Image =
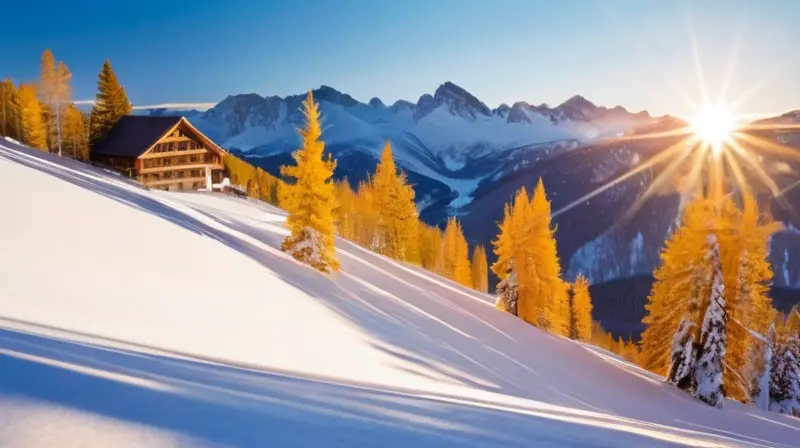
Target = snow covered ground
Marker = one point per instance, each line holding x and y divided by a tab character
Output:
138	318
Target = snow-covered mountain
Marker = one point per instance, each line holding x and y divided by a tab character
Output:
199	331
465	158
449	141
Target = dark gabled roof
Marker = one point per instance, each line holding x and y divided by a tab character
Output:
134	134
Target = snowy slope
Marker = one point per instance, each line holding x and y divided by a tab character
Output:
135	318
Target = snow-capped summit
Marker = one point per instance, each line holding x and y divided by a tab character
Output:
377	103
460	102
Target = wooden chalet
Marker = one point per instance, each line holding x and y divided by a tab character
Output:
167	153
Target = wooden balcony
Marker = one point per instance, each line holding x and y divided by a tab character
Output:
190	166
185	152
176	180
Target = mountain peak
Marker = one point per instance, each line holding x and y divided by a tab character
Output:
578	101
376	103
331	95
460	101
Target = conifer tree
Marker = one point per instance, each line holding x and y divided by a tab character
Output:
675	294
429	246
398	227
682	356
310	200
480	269
345	209
504	247
581	310
785	380
111	103
747	274
33	128
10	114
761	391
74	135
710	386
456	254
544	297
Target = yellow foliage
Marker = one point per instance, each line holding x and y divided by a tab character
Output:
430	243
398	225
75	141
310	200
480	269
33	128
259	184
504	244
456	254
581	310
682	287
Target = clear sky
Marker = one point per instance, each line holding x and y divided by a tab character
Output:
637	53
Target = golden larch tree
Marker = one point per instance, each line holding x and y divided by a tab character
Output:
480	269
310	199
747	274
676	292
544	297
398	224
456	254
34	133
73	133
581	310
430	243
10	113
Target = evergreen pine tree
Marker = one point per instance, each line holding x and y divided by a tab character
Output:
33	129
785	380
761	392
480	269
713	337
682	357
111	104
310	200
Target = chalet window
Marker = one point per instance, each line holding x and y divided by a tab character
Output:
181	146
194	158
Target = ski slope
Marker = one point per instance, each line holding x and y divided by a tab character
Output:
138	318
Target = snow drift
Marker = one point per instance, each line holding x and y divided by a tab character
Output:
137	318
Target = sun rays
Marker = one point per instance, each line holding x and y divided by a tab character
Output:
718	149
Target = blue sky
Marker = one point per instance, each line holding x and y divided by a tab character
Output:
629	52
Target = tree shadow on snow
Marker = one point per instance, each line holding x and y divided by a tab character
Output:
220	405
427	326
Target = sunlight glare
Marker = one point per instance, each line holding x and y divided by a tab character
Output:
714	124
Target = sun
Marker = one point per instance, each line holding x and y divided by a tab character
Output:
714	124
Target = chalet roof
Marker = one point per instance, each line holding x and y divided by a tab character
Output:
133	135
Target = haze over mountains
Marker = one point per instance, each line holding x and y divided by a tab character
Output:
467	159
